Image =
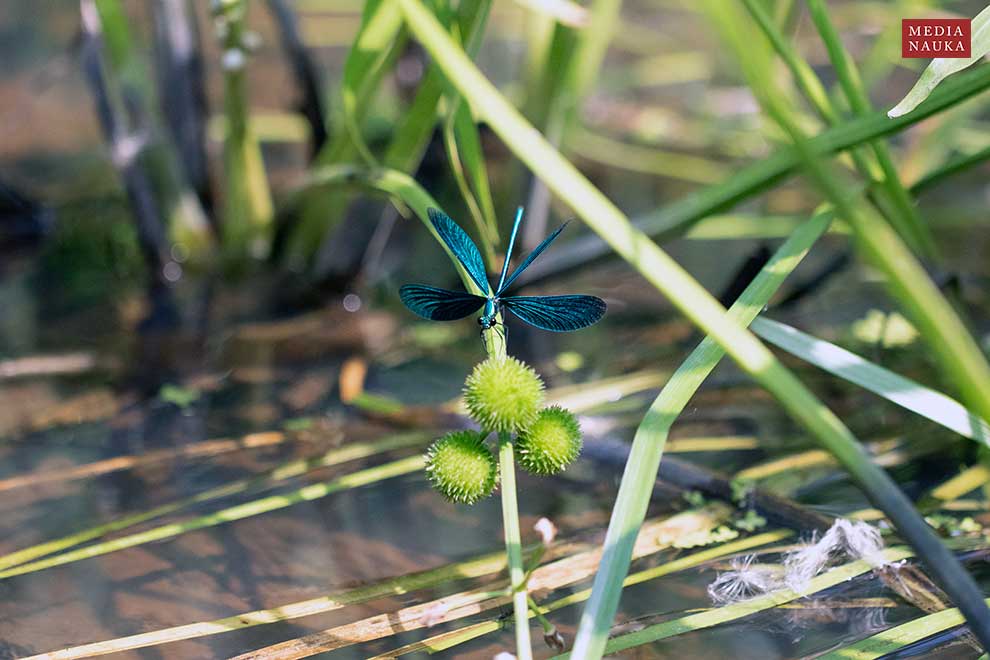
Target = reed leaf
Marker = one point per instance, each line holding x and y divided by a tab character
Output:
959	355
415	126
895	638
321	207
900	210
367	58
589	53
570	66
652	433
950	168
903	216
905	392
645	160
463	145
941	68
754	179
937	321
734	612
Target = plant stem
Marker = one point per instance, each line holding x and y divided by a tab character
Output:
674	218
513	546
158	190
905	217
892	198
937	321
248	207
495	344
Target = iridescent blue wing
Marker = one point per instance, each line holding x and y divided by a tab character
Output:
556	313
439	304
530	258
461	246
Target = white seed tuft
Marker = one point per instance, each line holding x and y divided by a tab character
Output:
844	540
232	60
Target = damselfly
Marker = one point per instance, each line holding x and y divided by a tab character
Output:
554	313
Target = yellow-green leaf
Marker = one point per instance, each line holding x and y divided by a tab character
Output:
942	67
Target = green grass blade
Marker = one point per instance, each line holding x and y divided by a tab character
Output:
322	206
368	56
942	67
933	315
902	212
247	211
651	435
897	637
732	226
397	184
950	168
468	162
719	615
589	53
904	216
230	514
760	176
805	77
647	160
463	145
905	392
937	321
415	127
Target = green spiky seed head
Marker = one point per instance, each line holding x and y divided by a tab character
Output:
461	467
550	443
503	395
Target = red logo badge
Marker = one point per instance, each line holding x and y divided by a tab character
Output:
936	37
